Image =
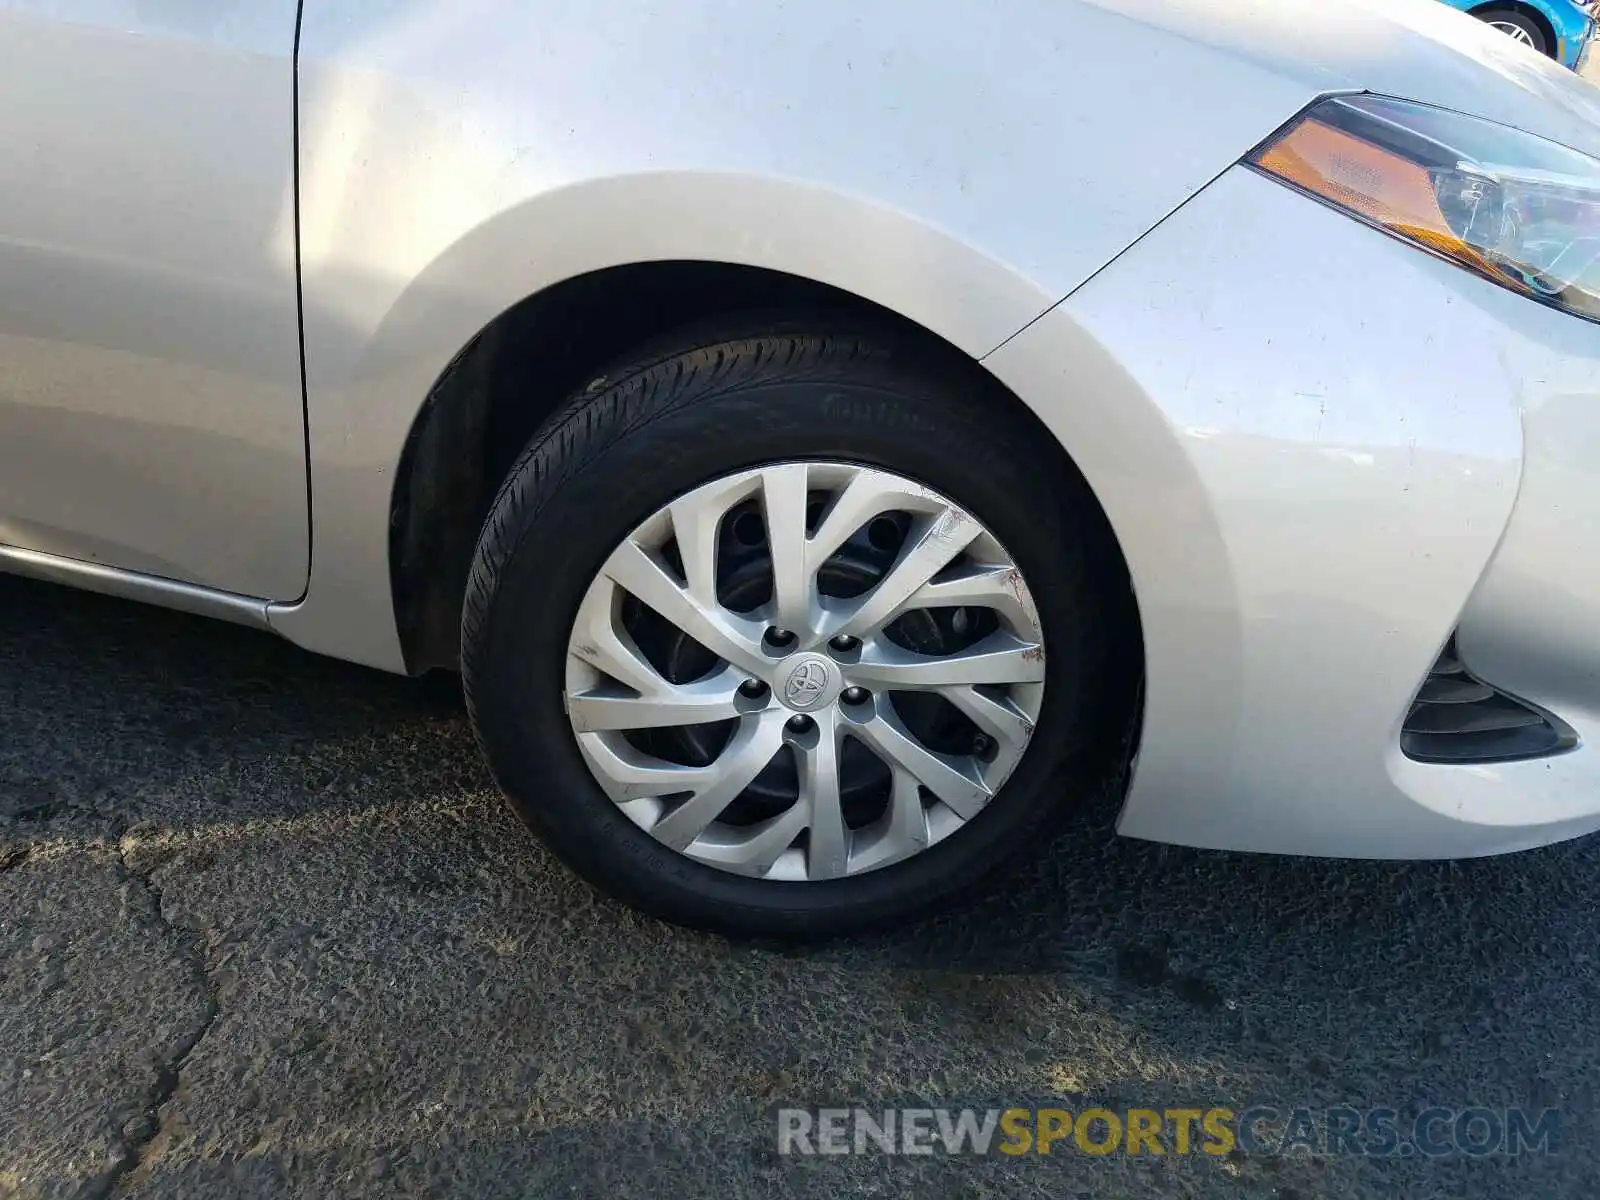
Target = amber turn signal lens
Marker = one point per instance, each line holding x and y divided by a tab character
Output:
1516	209
1365	179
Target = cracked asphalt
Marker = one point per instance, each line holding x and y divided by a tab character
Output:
266	929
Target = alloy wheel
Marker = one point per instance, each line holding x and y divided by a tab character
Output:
805	671
1513	30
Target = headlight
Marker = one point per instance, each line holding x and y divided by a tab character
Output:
1518	210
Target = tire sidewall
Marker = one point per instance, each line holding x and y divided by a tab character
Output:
576	498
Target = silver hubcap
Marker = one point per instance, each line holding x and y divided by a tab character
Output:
838	668
1513	31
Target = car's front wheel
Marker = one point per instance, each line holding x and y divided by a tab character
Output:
785	635
1518	26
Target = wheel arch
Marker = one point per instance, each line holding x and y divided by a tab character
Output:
483	409
398	412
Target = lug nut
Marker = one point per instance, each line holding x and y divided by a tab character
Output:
854	695
779	637
982	746
844	643
799	722
752	688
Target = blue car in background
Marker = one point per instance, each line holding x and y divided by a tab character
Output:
1559	28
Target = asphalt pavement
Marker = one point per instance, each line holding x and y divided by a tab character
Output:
267	929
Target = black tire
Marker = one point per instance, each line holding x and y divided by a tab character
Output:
1542	41
661	426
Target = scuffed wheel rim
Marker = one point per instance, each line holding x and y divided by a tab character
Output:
805	671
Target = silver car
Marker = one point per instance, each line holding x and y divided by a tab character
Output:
830	444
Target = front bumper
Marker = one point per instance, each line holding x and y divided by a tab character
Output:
1310	440
1573	44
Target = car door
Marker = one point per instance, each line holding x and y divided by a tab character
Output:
151	411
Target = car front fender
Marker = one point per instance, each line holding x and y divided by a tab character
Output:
456	158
